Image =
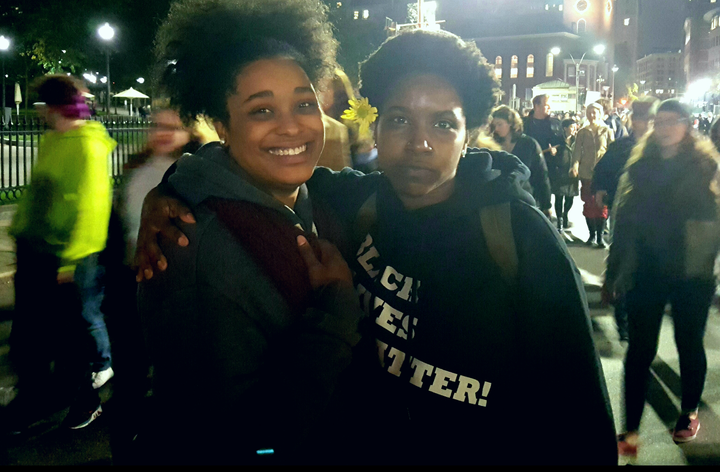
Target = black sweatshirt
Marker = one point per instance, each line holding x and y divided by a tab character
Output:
471	370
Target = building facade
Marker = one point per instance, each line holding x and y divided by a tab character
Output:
660	75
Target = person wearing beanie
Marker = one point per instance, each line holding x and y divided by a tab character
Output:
664	247
590	146
60	228
607	174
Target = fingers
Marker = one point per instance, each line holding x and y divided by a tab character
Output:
173	233
329	253
177	209
149	256
307	253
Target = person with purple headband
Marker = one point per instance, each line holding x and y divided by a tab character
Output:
60	228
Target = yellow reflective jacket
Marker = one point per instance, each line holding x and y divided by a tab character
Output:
67	206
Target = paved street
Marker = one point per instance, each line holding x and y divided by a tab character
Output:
49	444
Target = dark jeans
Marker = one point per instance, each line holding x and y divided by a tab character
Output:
47	327
563	204
690	301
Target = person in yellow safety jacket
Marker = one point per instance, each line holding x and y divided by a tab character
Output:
60	228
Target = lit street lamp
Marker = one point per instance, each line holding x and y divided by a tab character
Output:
4	45
599	49
612	85
106	33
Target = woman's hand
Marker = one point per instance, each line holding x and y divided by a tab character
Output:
158	213
331	267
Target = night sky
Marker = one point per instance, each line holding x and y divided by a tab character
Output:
664	21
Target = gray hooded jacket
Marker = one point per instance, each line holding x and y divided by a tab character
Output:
227	351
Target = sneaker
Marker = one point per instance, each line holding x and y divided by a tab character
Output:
100	378
686	429
626	447
78	418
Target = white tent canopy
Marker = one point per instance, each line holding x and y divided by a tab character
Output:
130	93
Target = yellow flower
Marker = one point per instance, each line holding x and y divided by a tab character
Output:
361	113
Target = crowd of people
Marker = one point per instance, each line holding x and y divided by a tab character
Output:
324	313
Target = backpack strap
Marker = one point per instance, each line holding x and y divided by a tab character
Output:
497	228
365	219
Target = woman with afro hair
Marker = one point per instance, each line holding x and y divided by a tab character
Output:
246	343
477	342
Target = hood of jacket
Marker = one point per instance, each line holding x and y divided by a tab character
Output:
212	173
89	129
483	178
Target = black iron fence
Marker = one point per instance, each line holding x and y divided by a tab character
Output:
19	149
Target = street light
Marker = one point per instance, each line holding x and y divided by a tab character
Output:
598	49
106	33
140	80
612	85
4	45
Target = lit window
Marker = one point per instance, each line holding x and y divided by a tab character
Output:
339	4
498	67
531	66
356	15
514	67
549	65
547	7
560	7
626	21
366	14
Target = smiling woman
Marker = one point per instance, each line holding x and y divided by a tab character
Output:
239	312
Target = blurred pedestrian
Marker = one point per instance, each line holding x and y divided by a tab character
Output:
607	175
590	145
61	227
168	139
612	119
544	129
565	187
507	129
665	243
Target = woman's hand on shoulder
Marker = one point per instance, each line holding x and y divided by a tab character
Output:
158	219
330	268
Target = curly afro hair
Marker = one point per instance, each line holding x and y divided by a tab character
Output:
204	44
432	52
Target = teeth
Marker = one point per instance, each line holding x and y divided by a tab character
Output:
288	151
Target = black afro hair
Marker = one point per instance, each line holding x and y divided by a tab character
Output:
432	52
204	44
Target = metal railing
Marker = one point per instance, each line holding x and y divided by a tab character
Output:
19	141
